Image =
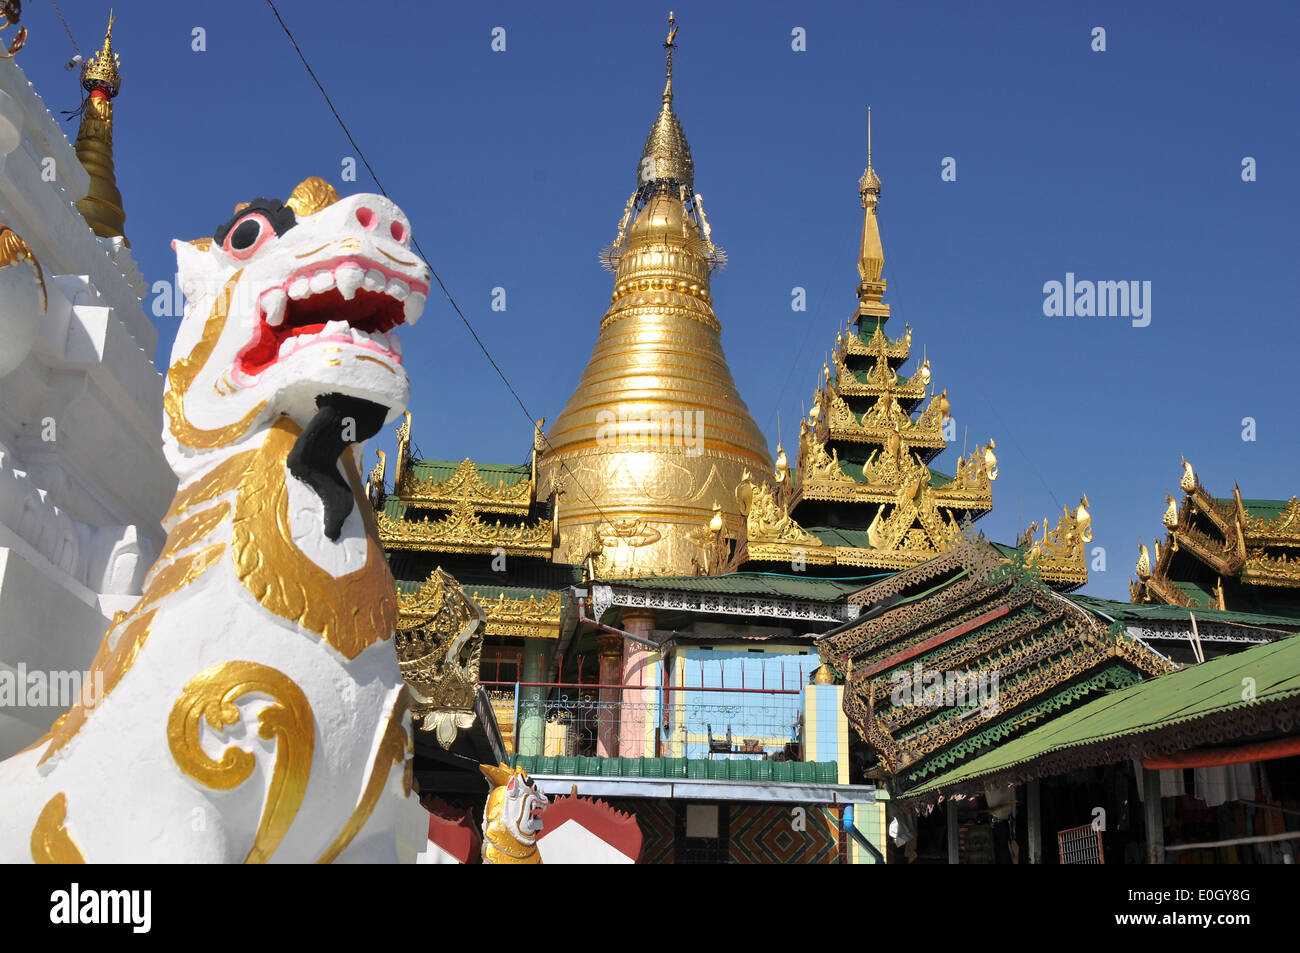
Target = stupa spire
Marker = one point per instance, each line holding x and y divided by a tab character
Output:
666	159
670	45
655	435
871	254
101	79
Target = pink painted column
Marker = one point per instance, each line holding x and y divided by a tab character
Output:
609	647
636	735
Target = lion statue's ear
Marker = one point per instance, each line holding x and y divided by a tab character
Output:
311	196
194	265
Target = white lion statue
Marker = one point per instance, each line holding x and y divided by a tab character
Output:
252	707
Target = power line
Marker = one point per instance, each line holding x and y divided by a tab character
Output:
446	293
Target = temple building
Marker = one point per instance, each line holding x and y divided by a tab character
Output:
1225	553
862	493
83	481
655	589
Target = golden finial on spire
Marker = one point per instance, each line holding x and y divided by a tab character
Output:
670	45
100	77
869	184
101	70
871	254
666	156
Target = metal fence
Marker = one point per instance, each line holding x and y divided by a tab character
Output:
1081	845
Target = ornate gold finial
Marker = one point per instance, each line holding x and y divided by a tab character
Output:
1144	562
667	156
715	522
100	77
1188	482
871	255
1084	520
101	70
991	465
869	185
823	675
670	45
1170	518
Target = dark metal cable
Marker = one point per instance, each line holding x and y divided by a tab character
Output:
450	300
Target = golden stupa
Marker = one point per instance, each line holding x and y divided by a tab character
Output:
653	442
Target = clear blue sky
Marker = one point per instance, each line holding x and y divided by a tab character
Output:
514	168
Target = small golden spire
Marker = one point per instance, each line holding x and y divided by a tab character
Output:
102	69
101	79
871	255
667	156
670	45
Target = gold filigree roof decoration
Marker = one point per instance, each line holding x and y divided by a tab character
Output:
1232	539
853	345
529	617
439	642
375	480
463	531
1060	555
467	484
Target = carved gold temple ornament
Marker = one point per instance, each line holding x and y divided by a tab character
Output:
1251	548
439	645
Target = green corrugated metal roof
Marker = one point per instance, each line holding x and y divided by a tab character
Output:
1201	691
686	769
839	536
755	583
1260	509
1128	611
505	474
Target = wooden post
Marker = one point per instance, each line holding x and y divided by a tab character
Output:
953	856
1035	824
1155	820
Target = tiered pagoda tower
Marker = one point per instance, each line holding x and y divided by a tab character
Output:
862	493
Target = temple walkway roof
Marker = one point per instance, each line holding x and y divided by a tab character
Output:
1200	705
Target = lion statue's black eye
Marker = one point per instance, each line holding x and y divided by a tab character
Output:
246	234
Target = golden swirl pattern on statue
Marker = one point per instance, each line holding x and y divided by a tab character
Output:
51	842
212	695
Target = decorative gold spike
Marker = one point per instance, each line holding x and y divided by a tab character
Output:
102	205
